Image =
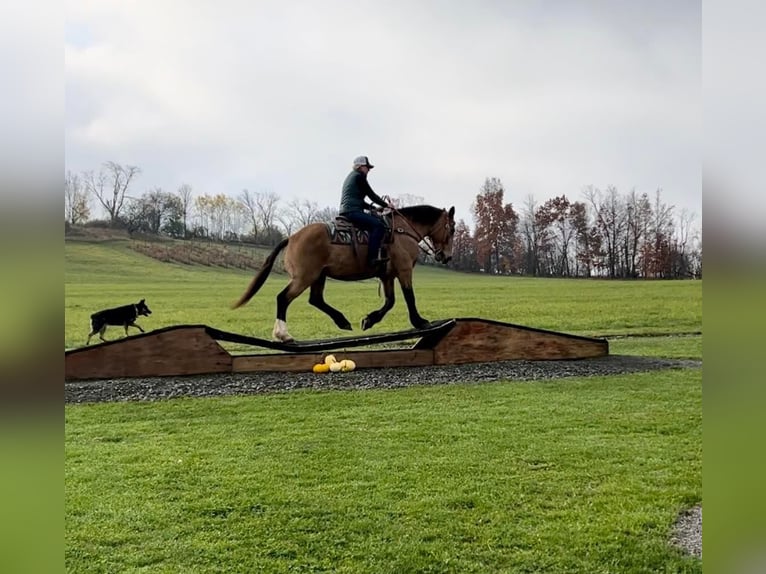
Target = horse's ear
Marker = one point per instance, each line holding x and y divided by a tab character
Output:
452	211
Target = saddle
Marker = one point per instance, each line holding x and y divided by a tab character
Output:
342	232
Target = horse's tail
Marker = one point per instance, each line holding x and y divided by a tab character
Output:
260	279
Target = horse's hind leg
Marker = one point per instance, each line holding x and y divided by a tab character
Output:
317	300
294	288
377	315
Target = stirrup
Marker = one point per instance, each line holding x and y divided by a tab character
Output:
378	265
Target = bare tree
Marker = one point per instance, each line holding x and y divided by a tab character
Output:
76	208
407	199
248	202
327	214
298	213
610	219
658	250
184	194
267	204
530	236
637	216
110	185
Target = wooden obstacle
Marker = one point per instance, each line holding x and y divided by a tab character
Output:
195	350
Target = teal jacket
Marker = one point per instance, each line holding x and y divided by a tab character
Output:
355	190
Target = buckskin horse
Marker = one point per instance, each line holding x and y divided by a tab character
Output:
312	256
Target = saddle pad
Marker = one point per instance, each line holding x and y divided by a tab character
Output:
342	233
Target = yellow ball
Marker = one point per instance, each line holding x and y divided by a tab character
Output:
335	367
330	359
347	365
320	368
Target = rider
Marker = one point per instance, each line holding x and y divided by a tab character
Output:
352	207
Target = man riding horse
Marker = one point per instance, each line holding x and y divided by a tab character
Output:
353	207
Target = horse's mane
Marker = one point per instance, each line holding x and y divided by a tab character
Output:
423	214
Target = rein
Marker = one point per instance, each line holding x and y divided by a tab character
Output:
416	236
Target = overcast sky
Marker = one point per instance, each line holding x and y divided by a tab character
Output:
280	96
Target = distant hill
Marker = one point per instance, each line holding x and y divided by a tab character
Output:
186	252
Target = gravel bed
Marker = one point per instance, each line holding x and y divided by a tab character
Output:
158	388
687	534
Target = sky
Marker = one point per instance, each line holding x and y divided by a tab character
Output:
280	96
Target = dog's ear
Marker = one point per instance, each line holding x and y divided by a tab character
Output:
141	301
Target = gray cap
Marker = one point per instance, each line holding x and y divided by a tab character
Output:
362	160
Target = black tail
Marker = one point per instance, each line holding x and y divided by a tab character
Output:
260	279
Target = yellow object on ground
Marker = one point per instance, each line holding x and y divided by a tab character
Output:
347	365
335	367
330	359
321	368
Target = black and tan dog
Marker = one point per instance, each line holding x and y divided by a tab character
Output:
125	316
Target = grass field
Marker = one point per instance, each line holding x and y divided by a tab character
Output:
574	475
100	275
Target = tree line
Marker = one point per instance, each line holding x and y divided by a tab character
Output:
606	234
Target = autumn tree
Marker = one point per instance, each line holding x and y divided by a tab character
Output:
657	252
496	225
463	248
578	214
218	216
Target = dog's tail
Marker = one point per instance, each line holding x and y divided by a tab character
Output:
260	279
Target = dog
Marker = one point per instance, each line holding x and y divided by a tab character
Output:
125	316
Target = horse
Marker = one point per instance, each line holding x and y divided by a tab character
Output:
311	257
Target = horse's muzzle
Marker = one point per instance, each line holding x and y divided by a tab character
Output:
441	258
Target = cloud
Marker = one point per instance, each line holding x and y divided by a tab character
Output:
547	96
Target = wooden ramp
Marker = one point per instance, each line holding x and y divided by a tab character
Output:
195	349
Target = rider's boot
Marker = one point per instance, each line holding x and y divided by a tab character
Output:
379	264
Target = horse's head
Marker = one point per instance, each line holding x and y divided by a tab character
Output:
441	235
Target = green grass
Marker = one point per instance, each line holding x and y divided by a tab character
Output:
104	275
581	475
574	475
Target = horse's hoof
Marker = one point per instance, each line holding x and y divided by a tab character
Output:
422	324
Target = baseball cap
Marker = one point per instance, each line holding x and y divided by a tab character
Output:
363	160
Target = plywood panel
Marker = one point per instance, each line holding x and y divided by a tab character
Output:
177	351
473	341
304	361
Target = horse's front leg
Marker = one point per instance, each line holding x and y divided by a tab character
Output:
377	316
405	281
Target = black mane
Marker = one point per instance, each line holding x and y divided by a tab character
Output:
423	214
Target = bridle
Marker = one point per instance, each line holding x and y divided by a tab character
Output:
426	238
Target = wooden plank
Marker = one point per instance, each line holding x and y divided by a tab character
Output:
179	351
435	329
303	362
474	341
